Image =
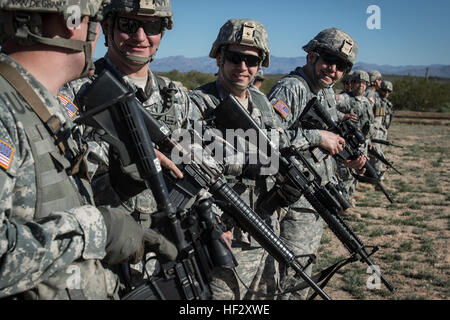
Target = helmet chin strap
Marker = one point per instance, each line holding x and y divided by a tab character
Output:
76	45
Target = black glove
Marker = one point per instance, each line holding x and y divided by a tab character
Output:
125	237
126	181
156	242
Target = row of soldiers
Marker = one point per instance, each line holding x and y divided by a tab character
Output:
365	95
72	213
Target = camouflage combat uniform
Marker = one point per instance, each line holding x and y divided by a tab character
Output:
47	218
379	113
172	109
362	108
256	269
301	227
388	106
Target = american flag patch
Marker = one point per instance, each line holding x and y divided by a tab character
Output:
6	154
282	109
69	105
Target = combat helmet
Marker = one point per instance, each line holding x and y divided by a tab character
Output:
360	75
387	86
153	8
259	75
245	32
346	78
22	22
336	42
374	75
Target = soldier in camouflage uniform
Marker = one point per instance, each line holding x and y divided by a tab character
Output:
385	91
362	108
133	31
130	51
259	79
241	48
379	113
331	54
52	238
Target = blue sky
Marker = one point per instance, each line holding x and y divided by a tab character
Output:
412	32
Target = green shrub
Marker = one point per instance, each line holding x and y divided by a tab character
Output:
410	93
417	94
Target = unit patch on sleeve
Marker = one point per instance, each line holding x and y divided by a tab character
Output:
6	154
71	108
282	109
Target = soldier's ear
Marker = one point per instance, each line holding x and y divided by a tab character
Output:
218	59
312	57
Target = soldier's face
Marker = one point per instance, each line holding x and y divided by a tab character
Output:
358	87
384	94
241	72
378	81
136	42
328	72
347	87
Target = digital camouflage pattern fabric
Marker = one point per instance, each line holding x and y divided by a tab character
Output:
38	255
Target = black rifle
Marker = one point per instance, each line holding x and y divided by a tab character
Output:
385	142
354	138
116	115
326	200
192	281
230	202
376	154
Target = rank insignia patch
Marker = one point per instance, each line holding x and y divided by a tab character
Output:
282	109
6	154
71	108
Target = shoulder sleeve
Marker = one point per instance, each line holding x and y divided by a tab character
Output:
289	97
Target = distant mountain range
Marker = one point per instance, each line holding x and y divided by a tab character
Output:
285	65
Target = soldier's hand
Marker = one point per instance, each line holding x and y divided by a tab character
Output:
168	164
350	116
228	237
357	165
157	243
331	142
125	237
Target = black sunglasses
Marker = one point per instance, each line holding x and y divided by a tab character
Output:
329	59
129	25
237	58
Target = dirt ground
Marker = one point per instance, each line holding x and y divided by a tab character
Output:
412	233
